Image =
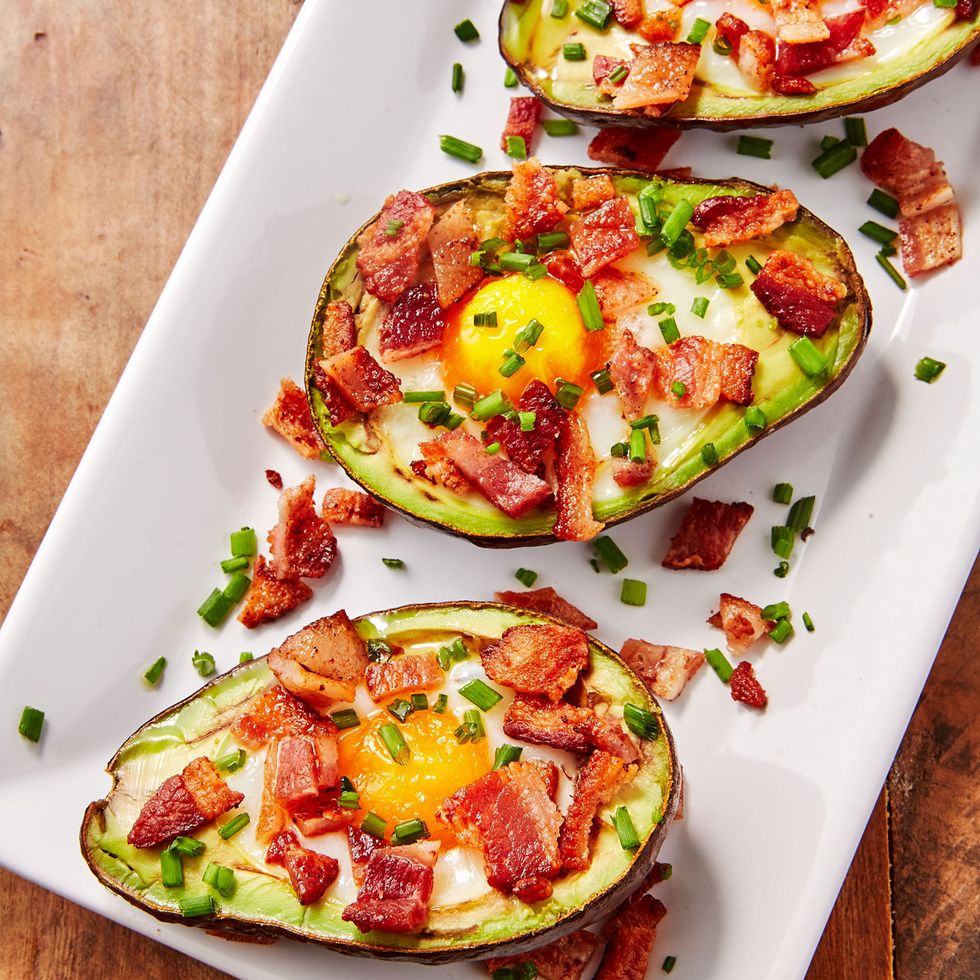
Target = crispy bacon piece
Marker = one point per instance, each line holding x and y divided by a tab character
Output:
627	954
620	291
660	75
268	597
502	482
451	241
310	872
800	298
343	506
322	815
339	409
792	86
302	543
737	370
406	672
931	239
532	200
660	25
795	59
732	218
564	959
563	267
290	417
362	380
745	687
275	714
182	804
708	370
632	370
360	846
799	21
522	120
607	734
590	192
602	68
389	249
511	816
664	669
604	235
529	449
629	13
548	601
741	620
413	325
638	149
437	467
339	328
707	534
297	775
272	814
274	479
537	659
756	59
732	29
575	473
629	473
596	783
396	890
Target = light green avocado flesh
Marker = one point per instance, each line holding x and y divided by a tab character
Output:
531	41
263	896
379	460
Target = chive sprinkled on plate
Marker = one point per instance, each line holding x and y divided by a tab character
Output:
828	141
203	663
782	493
896	277
214	610
753	265
466	30
855	130
623	823
754	146
31	723
699	307
669	963
884	203
658	309
776	610
516	147
878	233
610	554
409	831
808	623
559	127
781	570
245	656
928	369
782	631
393	562
237	586
457	78
506	754
699	30
782	539
526	577
800	514
839	156
718	662
155	671
668	328
633	592
234	826
243	543
481	694
395	742
460	149
238	564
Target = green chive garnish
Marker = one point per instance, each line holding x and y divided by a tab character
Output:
884	203
896	277
526	577
782	493
345	718
528	336
420	701
668	327
465	395
245	656
782	539
374	825
839	156
568	394
640	722
231	761
623	823
516	147
395	743
559	8
573	51
228	830
480	694
505	755
199	905
472	729
800	514
699	31
203	663
550	240
618	74
238	564
378	651
31	723
649	422
393	562
220	878
215	608
409	831
595	13
349	799
668	963
588	306
243	543
457	82
854	128
489	407
679	388
808	622
709	454
776	610
187	846
638	446
423	396
633	592
676	222
781	570
719	664
442	702
466	30
809	360
602	381
755	418
658	309
400	708
729	280
753	265
393	227
722	46
559	127
878	233
510	78
781	632
618	450
171	869
610	554
754	146
515	261
237	586
492	448
155	672
928	369
460	149
828	141
700	306
527	420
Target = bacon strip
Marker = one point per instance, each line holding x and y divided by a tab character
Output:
745	687
275	714
343	506
800	298
290	417
413	325
619	291
756	58
532	200
529	449
660	75
741	620
563	267
436	467
564	959
310	872
799	21
708	370
931	240
406	672
731	218
627	954
451	241
637	149
707	534
268	597
590	192
362	380
302	543
360	846
548	601
339	334
604	235
664	669
298	778
537	659
596	783
522	120
632	369
390	248
575	474
396	890
842	43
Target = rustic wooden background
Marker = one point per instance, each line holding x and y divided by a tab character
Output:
115	120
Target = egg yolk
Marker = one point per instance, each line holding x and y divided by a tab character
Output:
474	354
439	765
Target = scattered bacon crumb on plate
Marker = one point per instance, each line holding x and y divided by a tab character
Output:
707	534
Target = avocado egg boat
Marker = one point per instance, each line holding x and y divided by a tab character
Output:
729	64
430	783
519	358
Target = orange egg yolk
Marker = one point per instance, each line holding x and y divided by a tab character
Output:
438	766
474	354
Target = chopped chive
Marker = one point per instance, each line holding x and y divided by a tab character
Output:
928	369
215	608
559	8
220	878
378	650
31	723
633	592
588	306
466	30
944	3
345	718
618	450
809	360
618	74
623	823
516	147
434	413
722	46
753	265
526	577
678	388
457	82
230	565
855	130
729	280
480	694
349	799
658	309
709	454
754	146
568	394
395	743
878	233
828	141
839	156
700	306
776	610
723	262
808	622
536	270
492	448
228	830
782	539
393	562
595	565
231	761
893	273
243	543
610	554
489	407
442	702
527	420
155	672
884	203
602	381
420	701
409	831
782	493
559	127
573	51
423	396
668	963
718	662
510	78
549	240
781	632
668	328
245	656
755	418
638	446
505	755
528	336
374	825
515	261
187	846
237	586
651	423
460	149
641	722
781	570
400	708
699	31
595	13
472	729
198	905
676	222
800	514
203	663
393	227
464	394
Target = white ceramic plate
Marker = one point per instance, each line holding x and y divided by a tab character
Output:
776	802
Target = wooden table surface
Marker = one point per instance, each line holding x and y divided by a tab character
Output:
115	120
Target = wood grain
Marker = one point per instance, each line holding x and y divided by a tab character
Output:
114	122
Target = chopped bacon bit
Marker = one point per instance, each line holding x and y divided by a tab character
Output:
741	620
792	86
627	954
548	601
561	725
342	506
361	846
589	192
604	235
182	804
290	417
879	12
795	59
395	892
451	241
660	74
533	889
737	370
756	57
406	672
664	669
302	543
629	13
732	29
274	478
564	959
297	779
745	687
268	597
509	815
563	267
694	362
339	328
799	21
528	449
575	474
707	534
532	200
639	149
537	659
522	120
339	409
595	785
628	473
607	734
620	291
436	467
362	380
632	370
602	67
502	482
389	263
800	298
661	25
322	815
272	814
732	218
310	872
931	239
413	325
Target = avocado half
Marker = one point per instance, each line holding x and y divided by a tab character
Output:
531	43
782	390
264	904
